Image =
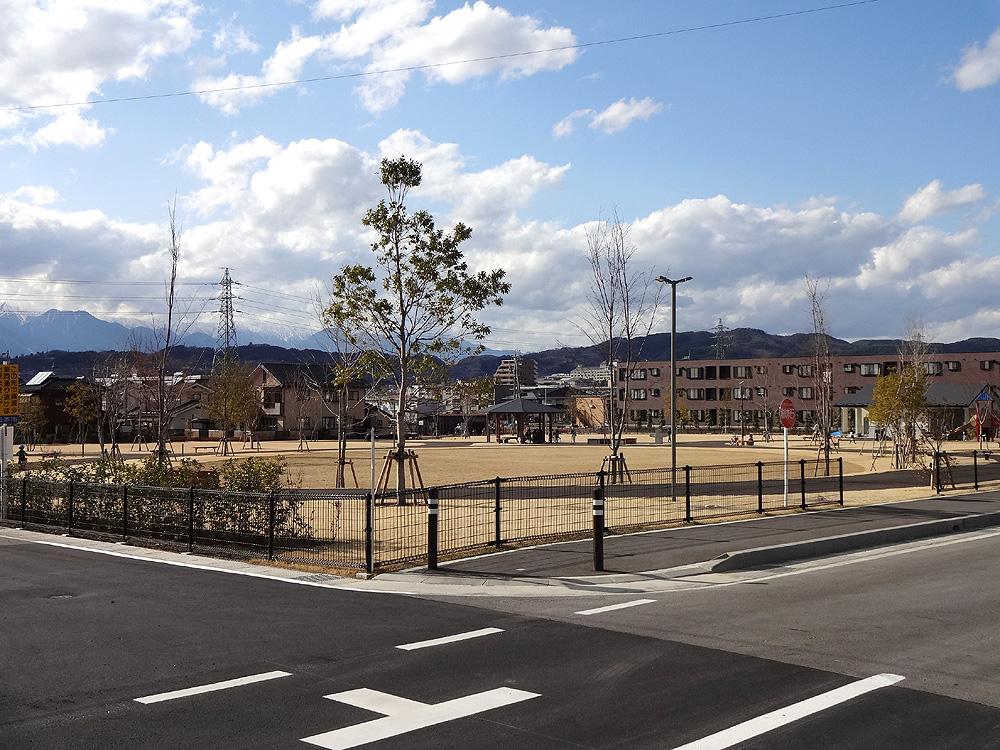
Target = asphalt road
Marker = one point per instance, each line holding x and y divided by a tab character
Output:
83	635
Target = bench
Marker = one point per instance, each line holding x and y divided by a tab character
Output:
199	448
50	454
507	439
607	441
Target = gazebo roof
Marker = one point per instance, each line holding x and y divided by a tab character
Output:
522	406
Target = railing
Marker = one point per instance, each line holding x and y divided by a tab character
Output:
953	470
349	529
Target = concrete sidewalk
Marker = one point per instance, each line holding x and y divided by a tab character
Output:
698	543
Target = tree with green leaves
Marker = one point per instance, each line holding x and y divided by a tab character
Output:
33	420
418	299
473	394
899	403
82	403
233	401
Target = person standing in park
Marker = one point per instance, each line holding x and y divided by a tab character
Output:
22	458
572	432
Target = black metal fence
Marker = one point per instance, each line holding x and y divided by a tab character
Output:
349	529
956	470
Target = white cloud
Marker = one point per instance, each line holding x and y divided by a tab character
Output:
52	52
231	38
931	200
288	215
568	124
623	113
612	119
980	65
37	195
393	34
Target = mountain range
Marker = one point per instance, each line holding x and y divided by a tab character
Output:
74	343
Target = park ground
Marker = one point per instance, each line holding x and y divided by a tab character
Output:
451	460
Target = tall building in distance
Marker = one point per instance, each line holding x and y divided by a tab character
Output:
514	370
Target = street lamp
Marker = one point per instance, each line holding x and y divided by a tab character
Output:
673	379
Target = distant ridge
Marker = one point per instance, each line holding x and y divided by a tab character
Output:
741	343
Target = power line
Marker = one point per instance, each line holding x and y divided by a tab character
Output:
102	282
430	66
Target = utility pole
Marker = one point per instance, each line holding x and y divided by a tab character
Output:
225	340
673	379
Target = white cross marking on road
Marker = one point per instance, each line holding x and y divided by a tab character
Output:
403	715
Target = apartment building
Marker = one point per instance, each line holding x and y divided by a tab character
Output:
712	392
514	369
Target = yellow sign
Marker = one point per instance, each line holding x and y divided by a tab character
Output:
9	387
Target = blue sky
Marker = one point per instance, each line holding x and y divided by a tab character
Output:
858	145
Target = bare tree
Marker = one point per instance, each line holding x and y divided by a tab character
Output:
621	306
168	387
822	370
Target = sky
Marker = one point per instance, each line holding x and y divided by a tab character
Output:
858	145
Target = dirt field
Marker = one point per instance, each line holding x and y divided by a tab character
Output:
453	460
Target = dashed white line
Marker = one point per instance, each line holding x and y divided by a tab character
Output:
770	721
450	639
612	607
249	680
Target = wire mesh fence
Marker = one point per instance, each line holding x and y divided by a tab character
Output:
350	529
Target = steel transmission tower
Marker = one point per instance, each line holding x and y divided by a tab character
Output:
225	340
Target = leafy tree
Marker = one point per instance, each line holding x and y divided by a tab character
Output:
233	400
472	394
899	403
82	403
419	299
33	421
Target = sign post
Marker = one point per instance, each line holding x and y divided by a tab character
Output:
786	413
9	413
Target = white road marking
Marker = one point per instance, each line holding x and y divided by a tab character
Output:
612	607
210	568
264	676
403	715
449	639
770	721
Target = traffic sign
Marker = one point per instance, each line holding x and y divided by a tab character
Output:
9	389
786	414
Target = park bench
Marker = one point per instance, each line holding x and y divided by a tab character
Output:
50	454
199	448
607	441
507	439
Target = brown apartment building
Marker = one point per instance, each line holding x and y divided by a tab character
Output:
712	392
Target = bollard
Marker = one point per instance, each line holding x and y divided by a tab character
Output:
598	529
975	469
937	473
687	495
840	477
760	486
496	513
272	503
432	530
24	499
802	480
370	533
124	513
69	510
191	519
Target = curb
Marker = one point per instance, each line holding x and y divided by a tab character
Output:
831	545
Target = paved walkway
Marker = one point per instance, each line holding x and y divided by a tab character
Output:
697	543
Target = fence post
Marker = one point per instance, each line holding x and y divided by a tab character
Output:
190	519
496	513
599	528
687	495
24	499
272	502
124	513
370	533
937	473
975	469
69	510
840	478
760	486
432	529
802	480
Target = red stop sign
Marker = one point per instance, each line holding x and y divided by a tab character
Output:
786	414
